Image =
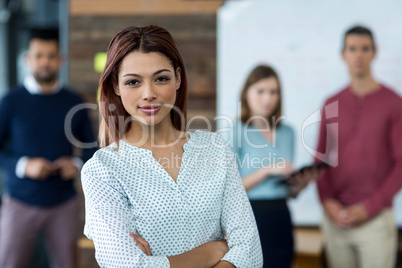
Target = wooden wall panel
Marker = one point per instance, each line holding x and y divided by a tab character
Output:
143	7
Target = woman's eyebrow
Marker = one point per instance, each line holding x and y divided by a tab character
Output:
162	70
156	73
130	74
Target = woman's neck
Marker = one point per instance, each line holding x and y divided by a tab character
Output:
261	123
149	137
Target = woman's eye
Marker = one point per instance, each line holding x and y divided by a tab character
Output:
274	92
162	79
132	83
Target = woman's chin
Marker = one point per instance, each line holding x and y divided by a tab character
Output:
264	114
151	122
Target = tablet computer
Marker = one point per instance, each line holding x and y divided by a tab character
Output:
318	165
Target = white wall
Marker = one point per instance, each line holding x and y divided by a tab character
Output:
302	40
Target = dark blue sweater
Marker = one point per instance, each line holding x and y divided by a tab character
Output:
33	126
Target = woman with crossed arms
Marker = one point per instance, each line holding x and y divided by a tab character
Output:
157	195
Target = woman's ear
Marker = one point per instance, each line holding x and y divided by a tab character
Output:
117	91
178	78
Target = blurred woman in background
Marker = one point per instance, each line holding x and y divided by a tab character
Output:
265	148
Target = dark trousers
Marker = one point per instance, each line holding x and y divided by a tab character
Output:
21	225
276	232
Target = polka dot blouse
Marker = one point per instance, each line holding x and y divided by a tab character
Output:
127	190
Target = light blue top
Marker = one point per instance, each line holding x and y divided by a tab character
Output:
256	151
128	190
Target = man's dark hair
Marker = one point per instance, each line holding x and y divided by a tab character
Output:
46	34
360	30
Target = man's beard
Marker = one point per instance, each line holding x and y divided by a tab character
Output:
46	79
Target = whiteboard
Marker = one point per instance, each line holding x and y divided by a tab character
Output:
302	40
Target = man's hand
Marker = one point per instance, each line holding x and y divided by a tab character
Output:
335	211
39	168
66	168
346	217
354	215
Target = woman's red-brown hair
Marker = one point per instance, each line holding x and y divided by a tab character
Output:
258	73
145	40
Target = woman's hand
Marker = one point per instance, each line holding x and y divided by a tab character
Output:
299	181
224	264
141	243
211	252
260	175
284	170
205	256
222	247
218	248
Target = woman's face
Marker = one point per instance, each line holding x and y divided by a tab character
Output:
147	86
263	97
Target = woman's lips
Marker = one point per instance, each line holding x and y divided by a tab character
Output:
150	109
266	108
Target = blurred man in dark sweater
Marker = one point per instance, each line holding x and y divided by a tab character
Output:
38	159
361	135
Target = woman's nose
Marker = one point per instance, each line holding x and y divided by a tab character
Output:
149	92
